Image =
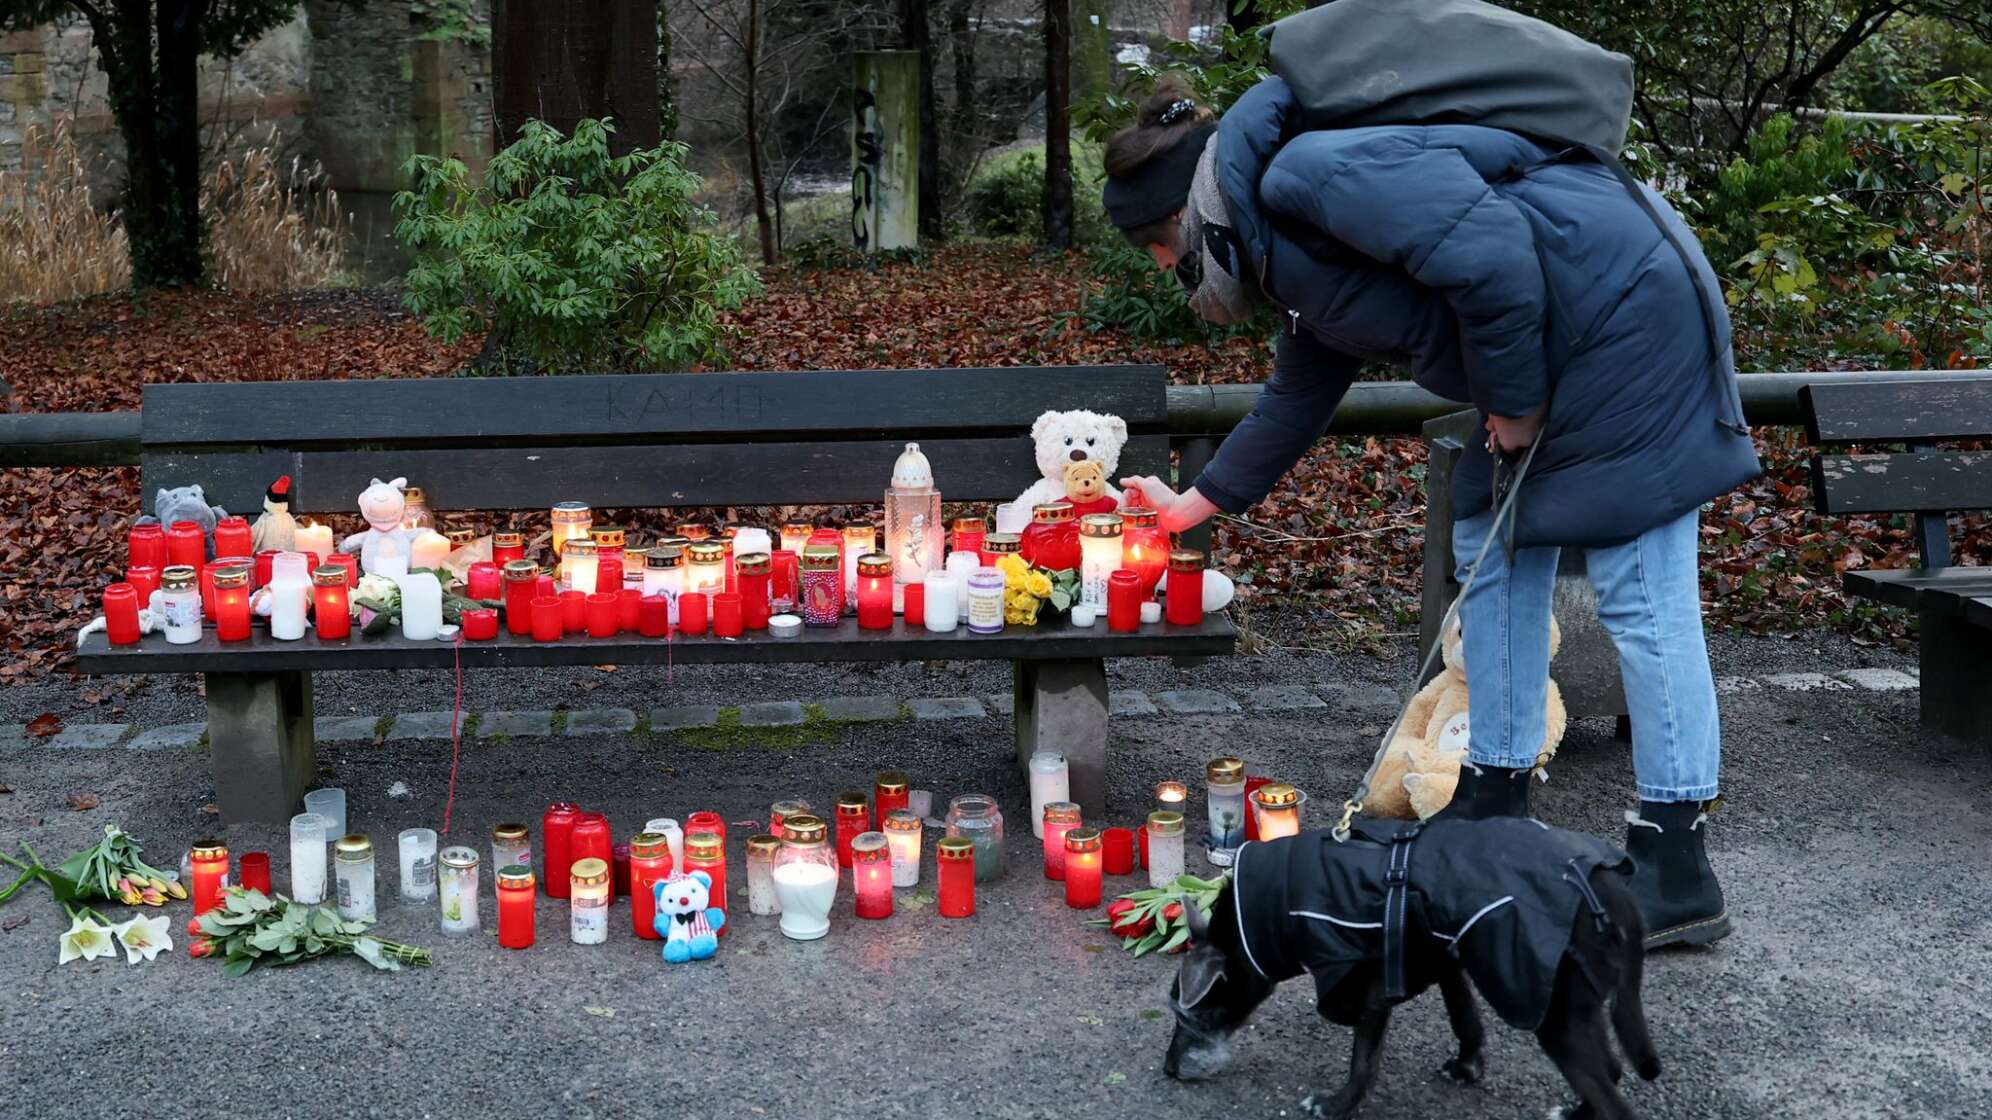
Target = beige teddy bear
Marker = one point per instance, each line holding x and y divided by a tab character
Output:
1420	769
1086	488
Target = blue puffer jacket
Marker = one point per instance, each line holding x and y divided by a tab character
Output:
1499	275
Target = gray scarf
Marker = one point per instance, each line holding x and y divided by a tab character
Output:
1211	264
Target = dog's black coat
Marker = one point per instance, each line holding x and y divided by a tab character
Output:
1550	959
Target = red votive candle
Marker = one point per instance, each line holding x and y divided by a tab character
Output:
507	546
207	591
574	620
121	614
1183	602
653	616
705	820
349	562
1124	602
145	546
1253	782
871	875
629	610
521	586
874	591
785	582
914	604
1117	848
480	625
590	839
1060	817
1082	868
209	862
545	585
265	560
706	851
331	603
231	604
727	614
608	573
692	613
954	872
557	845
601	614
231	537
515	907
185	544
619	868
1144	547
649	863
853	817
144	579
483	581
889	792
255	869
755	573
545	616
969	533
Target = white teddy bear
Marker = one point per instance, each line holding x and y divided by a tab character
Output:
1064	438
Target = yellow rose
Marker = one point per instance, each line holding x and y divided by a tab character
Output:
1039	585
1012	565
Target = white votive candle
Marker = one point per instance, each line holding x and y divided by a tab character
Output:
421	606
308	832
1084	616
1050	781
418	864
943	604
1151	611
962	563
428	550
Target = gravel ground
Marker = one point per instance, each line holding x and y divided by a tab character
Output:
1852	851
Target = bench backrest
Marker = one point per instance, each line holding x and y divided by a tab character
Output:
637	440
1922	480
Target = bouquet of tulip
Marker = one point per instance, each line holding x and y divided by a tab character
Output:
250	926
1028	589
88	875
1153	919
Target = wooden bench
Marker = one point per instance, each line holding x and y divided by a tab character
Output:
643	441
1953	604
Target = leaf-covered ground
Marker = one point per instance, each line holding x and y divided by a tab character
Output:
1333	556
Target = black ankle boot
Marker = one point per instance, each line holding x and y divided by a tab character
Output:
1487	791
1676	887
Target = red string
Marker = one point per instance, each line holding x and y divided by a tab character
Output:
456	729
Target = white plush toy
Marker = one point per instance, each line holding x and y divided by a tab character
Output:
1063	438
382	504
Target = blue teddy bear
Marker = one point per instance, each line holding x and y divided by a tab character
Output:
685	919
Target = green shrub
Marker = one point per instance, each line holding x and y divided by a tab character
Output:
571	258
1008	201
1127	292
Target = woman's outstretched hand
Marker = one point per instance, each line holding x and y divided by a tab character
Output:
1513	433
1176	512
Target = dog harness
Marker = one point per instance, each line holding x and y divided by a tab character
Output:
1503	896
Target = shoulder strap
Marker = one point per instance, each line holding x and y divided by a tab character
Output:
1396	891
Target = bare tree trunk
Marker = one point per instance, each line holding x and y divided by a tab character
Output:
1058	124
961	44
752	52
915	35
564	61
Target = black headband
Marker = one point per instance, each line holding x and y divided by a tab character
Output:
1160	187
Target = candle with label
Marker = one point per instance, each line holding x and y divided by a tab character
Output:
1099	556
353	878
456	891
180	604
822	587
588	898
1224	788
985	601
417	849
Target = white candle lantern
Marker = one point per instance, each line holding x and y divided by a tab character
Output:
571	521
902	837
915	538
943	605
1099	556
795	536
579	565
290	591
421	606
1050	781
707	571
429	549
664	574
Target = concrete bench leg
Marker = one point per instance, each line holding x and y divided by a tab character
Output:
260	730
1953	657
1062	706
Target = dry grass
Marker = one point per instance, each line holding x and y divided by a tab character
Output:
270	228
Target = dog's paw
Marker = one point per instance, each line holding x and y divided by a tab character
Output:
1463	1070
1324	1106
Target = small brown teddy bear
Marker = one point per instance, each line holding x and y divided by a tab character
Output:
1086	488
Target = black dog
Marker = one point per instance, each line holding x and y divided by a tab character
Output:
1539	918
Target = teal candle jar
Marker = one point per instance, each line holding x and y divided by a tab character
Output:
976	818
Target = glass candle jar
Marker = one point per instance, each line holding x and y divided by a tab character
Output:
353	877
999	544
691	531
548	616
231	537
1276	806
1051	781
144	580
1117	851
590	839
1123	602
889	792
331	603
941	605
902	840
510	847
985	601
456	888
649	864
330	803
1224	787
483	581
515	907
1099	556
308	832
1052	540
588	898
1144	547
259	568
417	849
954	877
859	539
255	871
692	610
507	545
145	546
853	817
121	614
520	579
1165	848
753	572
574	612
822	587
608	541
785	582
209	866
1184	600
1252	784
601	611
976	817
805	878
728	615
795	536
231	604
968	534
571	521
761	851
871	876
1082	868
706	570
579	566
874	591
180	604
673	835
706	851
480	624
664	575
557	845
1055	820
705	820
415	509
185	544
782	810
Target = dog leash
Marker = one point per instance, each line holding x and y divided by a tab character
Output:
1506	490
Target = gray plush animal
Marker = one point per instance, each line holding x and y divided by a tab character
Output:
187	503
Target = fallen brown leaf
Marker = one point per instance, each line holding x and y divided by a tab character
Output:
45	725
211	809
15	922
83	802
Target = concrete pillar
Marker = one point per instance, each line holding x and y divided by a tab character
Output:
885	150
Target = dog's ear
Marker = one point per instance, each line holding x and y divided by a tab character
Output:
1201	969
1197	920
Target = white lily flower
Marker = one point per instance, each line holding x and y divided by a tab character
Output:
144	938
87	939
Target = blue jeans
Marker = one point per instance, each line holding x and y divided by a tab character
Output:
1649	600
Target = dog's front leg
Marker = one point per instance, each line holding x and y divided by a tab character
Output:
1370	1028
1465	1015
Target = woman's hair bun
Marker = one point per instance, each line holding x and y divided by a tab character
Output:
1170	102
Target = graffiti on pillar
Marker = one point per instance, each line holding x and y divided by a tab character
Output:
867	139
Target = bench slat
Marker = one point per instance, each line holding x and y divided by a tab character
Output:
1920	480
851	404
1946	589
1898	411
1979	611
657	475
844	642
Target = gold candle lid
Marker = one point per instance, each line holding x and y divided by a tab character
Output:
458	857
634	558
1083	840
692	531
508	832
607	536
352	849
1100	525
1225	771
891	781
579	547
508	538
1165	823
518	571
1002	542
790	808
705	846
1050	513
804	829
230	576
209	849
512	877
868	845
1141	517
857	529
1186	560
707	552
569	513
664	557
797	529
458	538
179	577
1276	795
763	846
955	848
753	564
588	872
901	820
328	575
874	564
413	496
1061	812
649	845
819	558
970	524
852	801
